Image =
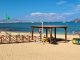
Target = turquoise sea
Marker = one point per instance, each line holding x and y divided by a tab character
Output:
26	27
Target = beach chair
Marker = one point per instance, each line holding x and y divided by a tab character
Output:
4	39
26	38
12	39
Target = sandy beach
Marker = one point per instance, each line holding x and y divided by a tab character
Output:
39	29
40	51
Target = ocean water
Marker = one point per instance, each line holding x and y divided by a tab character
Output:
26	27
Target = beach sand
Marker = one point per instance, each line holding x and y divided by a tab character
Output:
40	51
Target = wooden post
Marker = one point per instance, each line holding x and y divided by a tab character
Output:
9	36
16	38
32	32
65	33
50	35
50	32
22	38
46	33
1	39
55	33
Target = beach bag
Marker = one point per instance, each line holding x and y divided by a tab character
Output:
78	41
75	41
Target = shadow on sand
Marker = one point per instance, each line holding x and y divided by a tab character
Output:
57	41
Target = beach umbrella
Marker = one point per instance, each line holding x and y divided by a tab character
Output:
8	18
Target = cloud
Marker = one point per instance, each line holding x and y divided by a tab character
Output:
61	2
40	16
39	13
59	17
77	7
68	13
43	16
63	16
36	13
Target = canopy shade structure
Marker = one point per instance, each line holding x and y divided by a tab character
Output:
50	27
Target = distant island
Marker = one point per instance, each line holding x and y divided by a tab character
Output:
12	21
24	21
76	20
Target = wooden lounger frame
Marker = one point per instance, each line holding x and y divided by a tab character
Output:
4	39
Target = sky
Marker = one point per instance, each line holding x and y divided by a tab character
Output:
40	10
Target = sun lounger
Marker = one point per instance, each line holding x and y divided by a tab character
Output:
9	38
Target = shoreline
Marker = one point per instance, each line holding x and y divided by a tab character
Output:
30	32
